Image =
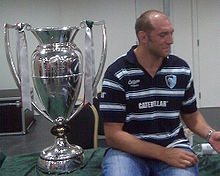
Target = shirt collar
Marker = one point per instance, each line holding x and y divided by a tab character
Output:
131	57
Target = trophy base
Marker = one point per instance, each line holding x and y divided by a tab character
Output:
60	158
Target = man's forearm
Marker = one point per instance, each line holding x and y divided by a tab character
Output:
129	143
197	124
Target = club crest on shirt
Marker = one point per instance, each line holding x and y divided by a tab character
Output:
170	81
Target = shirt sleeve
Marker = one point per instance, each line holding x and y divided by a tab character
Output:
189	104
112	100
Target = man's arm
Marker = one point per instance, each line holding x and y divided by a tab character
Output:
117	138
197	124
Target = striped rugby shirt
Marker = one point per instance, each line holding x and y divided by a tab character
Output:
149	107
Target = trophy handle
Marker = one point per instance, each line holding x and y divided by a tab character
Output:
103	55
20	27
9	54
98	75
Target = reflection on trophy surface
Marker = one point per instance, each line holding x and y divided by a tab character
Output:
57	72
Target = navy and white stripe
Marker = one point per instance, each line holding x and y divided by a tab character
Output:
189	101
128	72
155	92
175	70
112	85
112	107
179	143
160	136
152	115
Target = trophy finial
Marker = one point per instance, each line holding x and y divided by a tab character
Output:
89	23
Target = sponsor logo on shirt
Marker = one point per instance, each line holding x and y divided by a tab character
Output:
151	104
134	83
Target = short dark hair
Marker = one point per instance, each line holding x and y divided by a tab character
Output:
143	23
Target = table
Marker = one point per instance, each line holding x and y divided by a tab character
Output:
26	164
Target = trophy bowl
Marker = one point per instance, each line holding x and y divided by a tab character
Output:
57	73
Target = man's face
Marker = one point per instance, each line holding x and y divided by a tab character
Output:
160	38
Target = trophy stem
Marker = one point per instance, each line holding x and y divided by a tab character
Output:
61	157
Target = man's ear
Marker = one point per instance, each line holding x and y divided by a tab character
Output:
142	36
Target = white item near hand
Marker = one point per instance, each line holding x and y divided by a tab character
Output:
204	149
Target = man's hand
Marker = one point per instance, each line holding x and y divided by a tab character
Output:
214	140
179	158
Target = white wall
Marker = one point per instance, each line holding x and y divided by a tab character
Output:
209	51
196	39
119	16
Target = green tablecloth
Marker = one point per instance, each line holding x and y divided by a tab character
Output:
26	164
209	166
2	158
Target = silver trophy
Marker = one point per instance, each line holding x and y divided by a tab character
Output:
57	72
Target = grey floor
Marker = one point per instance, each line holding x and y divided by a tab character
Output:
39	136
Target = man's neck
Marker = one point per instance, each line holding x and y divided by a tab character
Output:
149	62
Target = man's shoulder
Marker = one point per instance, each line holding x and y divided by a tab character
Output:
118	64
177	61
